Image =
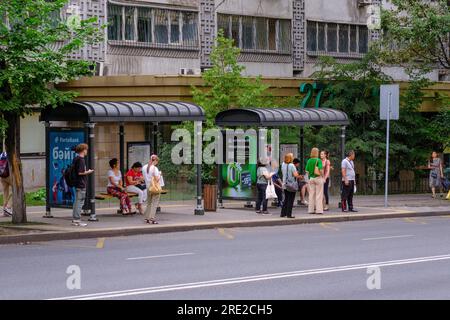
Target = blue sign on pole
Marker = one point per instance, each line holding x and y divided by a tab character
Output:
61	144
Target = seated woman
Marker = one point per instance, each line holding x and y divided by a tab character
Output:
136	184
115	187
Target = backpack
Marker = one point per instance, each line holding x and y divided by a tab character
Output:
70	175
4	166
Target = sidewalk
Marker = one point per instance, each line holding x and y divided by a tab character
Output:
179	216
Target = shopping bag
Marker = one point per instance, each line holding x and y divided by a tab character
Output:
270	191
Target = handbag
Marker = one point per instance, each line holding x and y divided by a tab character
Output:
270	191
434	174
317	170
155	188
141	186
291	186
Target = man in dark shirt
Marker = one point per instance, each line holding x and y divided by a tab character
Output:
80	183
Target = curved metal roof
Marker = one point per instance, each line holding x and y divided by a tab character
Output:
99	111
273	117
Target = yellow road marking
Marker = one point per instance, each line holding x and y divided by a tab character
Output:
327	225
414	220
100	243
225	233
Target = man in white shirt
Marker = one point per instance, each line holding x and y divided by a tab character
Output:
348	182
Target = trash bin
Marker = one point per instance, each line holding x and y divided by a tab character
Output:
210	197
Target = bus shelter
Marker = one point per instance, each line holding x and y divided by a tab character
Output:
74	123
274	118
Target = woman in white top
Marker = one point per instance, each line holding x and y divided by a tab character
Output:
152	175
115	187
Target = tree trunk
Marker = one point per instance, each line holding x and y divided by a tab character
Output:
12	144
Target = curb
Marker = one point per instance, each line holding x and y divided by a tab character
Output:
99	233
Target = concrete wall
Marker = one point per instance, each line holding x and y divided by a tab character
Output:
267	69
344	11
266	8
134	65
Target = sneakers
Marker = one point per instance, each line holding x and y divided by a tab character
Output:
93	219
78	223
7	212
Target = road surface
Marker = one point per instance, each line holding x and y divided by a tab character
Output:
396	258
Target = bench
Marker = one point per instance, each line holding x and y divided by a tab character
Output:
106	196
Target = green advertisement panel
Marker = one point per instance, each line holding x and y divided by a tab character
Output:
239	179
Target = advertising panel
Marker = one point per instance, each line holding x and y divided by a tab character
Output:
60	154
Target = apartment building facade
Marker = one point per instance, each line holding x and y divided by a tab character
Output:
277	38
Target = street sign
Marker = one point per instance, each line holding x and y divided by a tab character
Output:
389	110
389	98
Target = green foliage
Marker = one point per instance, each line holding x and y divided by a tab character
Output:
39	195
224	85
34	54
354	88
416	34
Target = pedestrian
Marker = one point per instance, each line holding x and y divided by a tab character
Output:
326	164
154	181
348	182
277	183
136	184
303	186
116	189
314	169
6	181
436	173
262	177
290	185
80	184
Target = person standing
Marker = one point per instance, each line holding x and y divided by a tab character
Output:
6	182
348	182
136	184
436	173
152	176
263	176
314	169
326	165
116	189
80	184
290	175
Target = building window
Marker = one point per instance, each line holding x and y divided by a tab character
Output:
152	25
336	38
257	33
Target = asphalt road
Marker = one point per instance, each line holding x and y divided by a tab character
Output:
407	258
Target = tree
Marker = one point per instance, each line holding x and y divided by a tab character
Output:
224	85
416	34
353	88
34	55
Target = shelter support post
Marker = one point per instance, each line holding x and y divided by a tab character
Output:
198	142
48	213
219	173
302	148
302	155
343	128
122	150
91	165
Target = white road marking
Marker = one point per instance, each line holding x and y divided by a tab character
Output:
163	256
391	237
263	277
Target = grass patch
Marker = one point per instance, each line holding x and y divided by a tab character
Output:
29	200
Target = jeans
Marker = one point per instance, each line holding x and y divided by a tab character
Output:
142	194
261	196
347	194
315	195
326	186
288	203
152	205
80	198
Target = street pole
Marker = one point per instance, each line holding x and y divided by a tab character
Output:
386	180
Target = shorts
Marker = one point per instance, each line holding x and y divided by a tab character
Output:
301	184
